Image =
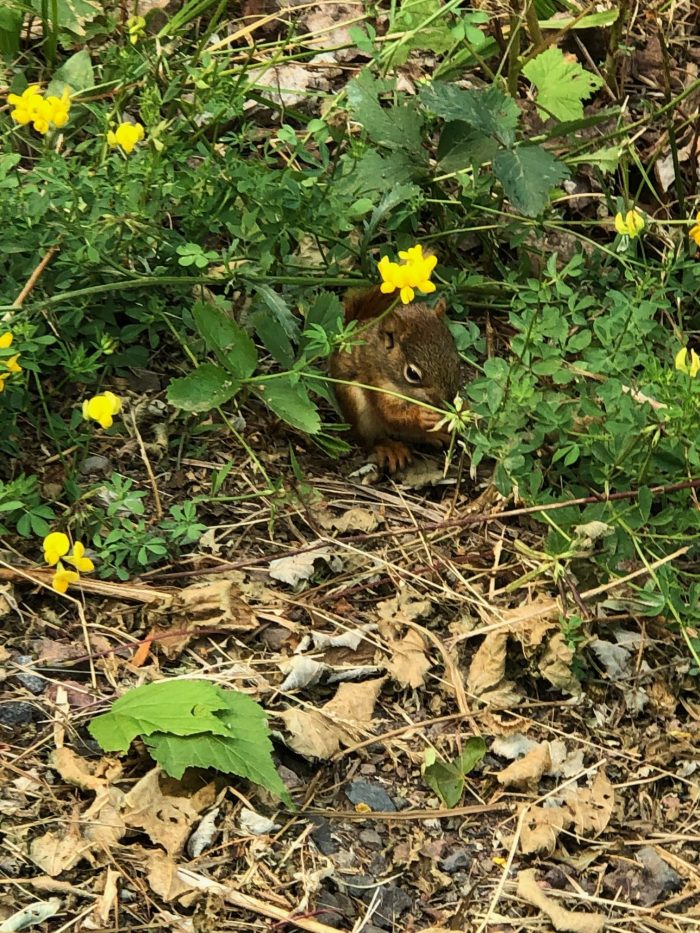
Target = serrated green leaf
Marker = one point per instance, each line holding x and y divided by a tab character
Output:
562	84
528	174
461	146
606	159
273	337
202	389
397	127
280	312
486	109
245	749
291	402
179	707
75	73
421	19
226	337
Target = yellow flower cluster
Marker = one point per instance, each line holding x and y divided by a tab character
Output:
412	273
136	27
102	408
631	224
42	112
692	367
126	136
8	365
695	230
57	550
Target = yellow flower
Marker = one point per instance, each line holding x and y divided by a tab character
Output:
59	108
12	364
681	362
126	136
6	340
136	27
25	104
695	231
630	225
78	559
63	578
412	273
56	546
102	408
9	364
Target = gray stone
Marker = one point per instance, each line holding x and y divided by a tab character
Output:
372	795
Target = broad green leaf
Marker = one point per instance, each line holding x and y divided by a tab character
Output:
291	402
225	336
327	312
461	146
592	21
425	23
528	174
446	778
75	73
562	84
10	32
273	337
202	389
486	109
397	127
73	15
180	707
606	159
280	312
245	749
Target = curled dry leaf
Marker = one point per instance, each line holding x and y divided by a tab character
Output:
214	605
408	664
87	775
298	568
342	721
527	771
541	827
161	870
564	921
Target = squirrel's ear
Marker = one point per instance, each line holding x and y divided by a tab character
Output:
364	304
440	307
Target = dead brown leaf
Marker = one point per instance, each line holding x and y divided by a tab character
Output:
527	771
488	664
88	775
564	921
162	877
320	733
541	827
166	819
592	806
408	664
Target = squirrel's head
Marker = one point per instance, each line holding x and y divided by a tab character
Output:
421	357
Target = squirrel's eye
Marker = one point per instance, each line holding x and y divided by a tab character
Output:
412	374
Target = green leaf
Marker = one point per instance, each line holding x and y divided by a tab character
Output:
446	778
327	312
461	146
280	312
397	127
10	32
562	84
273	337
203	389
486	109
413	17
180	707
291	402
593	20
528	174
606	159
73	15
75	73
244	749
226	337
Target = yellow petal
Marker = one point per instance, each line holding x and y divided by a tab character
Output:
78	559
620	224
114	401
112	139
694	363
6	340
56	545
387	288
63	578
407	294
12	364
680	360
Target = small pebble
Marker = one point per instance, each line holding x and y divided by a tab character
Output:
17	713
96	464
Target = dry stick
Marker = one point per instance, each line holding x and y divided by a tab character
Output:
34	277
596	591
403	816
149	469
464	521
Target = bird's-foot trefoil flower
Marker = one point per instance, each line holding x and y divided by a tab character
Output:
411	274
102	408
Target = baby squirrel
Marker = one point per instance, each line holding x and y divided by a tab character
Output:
408	351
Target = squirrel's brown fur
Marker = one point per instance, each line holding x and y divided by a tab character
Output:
408	351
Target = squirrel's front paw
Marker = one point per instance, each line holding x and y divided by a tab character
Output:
391	454
428	421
